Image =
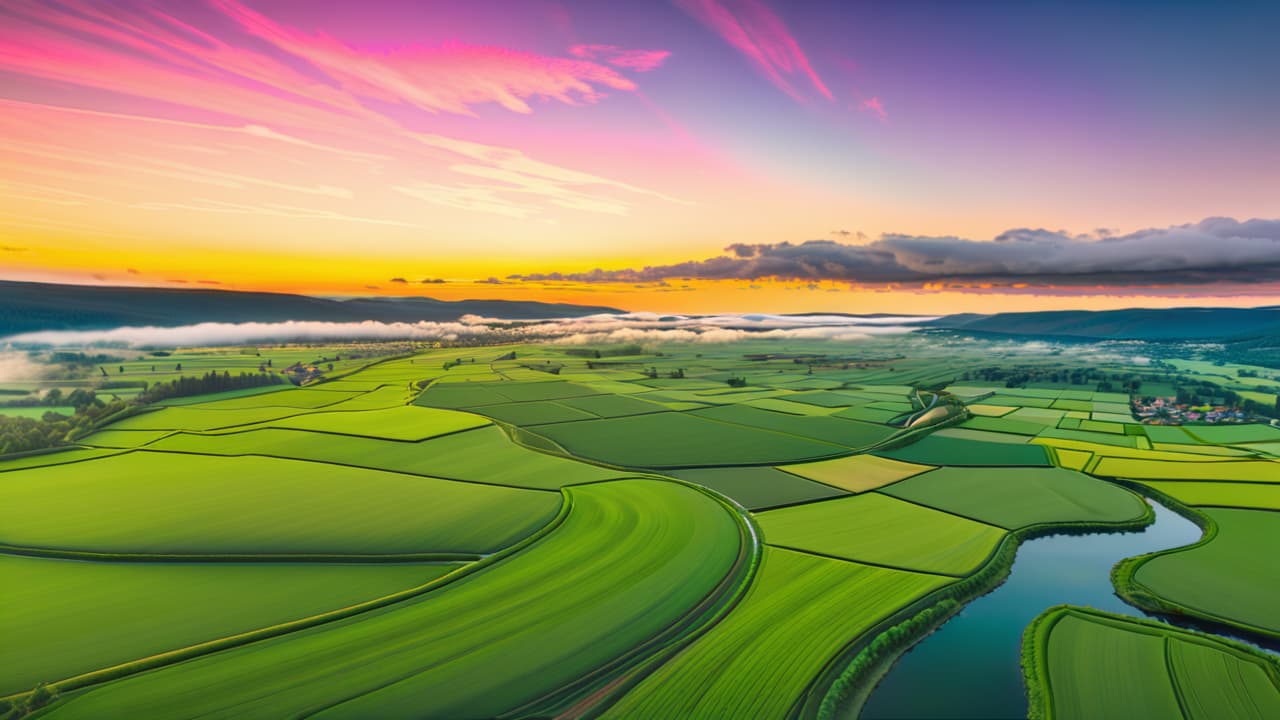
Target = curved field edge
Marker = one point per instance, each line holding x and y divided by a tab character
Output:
851	677
386	691
531	440
1124	574
1035	655
92	556
592	694
153	662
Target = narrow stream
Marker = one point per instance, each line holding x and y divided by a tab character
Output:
970	667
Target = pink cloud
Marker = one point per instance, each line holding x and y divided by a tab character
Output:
874	106
638	60
146	51
210	107
447	78
757	32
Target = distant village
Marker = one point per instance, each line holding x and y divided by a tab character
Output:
1167	411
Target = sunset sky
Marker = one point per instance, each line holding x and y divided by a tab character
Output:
695	155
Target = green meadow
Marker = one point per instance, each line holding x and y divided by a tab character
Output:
741	530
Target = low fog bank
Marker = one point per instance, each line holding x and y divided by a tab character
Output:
626	328
18	366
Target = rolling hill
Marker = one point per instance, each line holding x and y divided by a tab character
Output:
1130	324
28	307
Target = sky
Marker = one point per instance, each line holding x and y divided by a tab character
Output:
685	156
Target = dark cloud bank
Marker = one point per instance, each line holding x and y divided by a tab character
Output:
1214	250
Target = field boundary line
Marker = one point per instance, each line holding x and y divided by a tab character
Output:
170	657
424	558
342	464
944	511
869	563
703	617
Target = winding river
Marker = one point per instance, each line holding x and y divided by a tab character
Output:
970	667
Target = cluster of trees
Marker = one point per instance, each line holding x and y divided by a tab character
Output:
607	351
210	382
1021	375
17	709
55	398
23	434
1203	392
653	374
79	358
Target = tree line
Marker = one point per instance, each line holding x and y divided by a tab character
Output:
24	434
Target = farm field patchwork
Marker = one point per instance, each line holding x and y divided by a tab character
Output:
757	488
798	613
483	455
803	521
674	440
600	584
882	530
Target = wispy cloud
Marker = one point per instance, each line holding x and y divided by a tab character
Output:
638	60
1215	250
150	51
512	172
874	106
757	32
224	96
267	210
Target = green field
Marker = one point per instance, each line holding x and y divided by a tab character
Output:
537	412
605	581
145	502
1099	666
1019	497
757	488
1228	578
36	412
935	450
799	613
674	440
857	473
1143	469
688	530
881	530
1234	434
140	609
407	423
484	455
1263	496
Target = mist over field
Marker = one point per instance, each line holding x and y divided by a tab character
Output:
16	367
604	328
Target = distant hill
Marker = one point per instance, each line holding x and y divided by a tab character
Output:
27	307
1132	324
